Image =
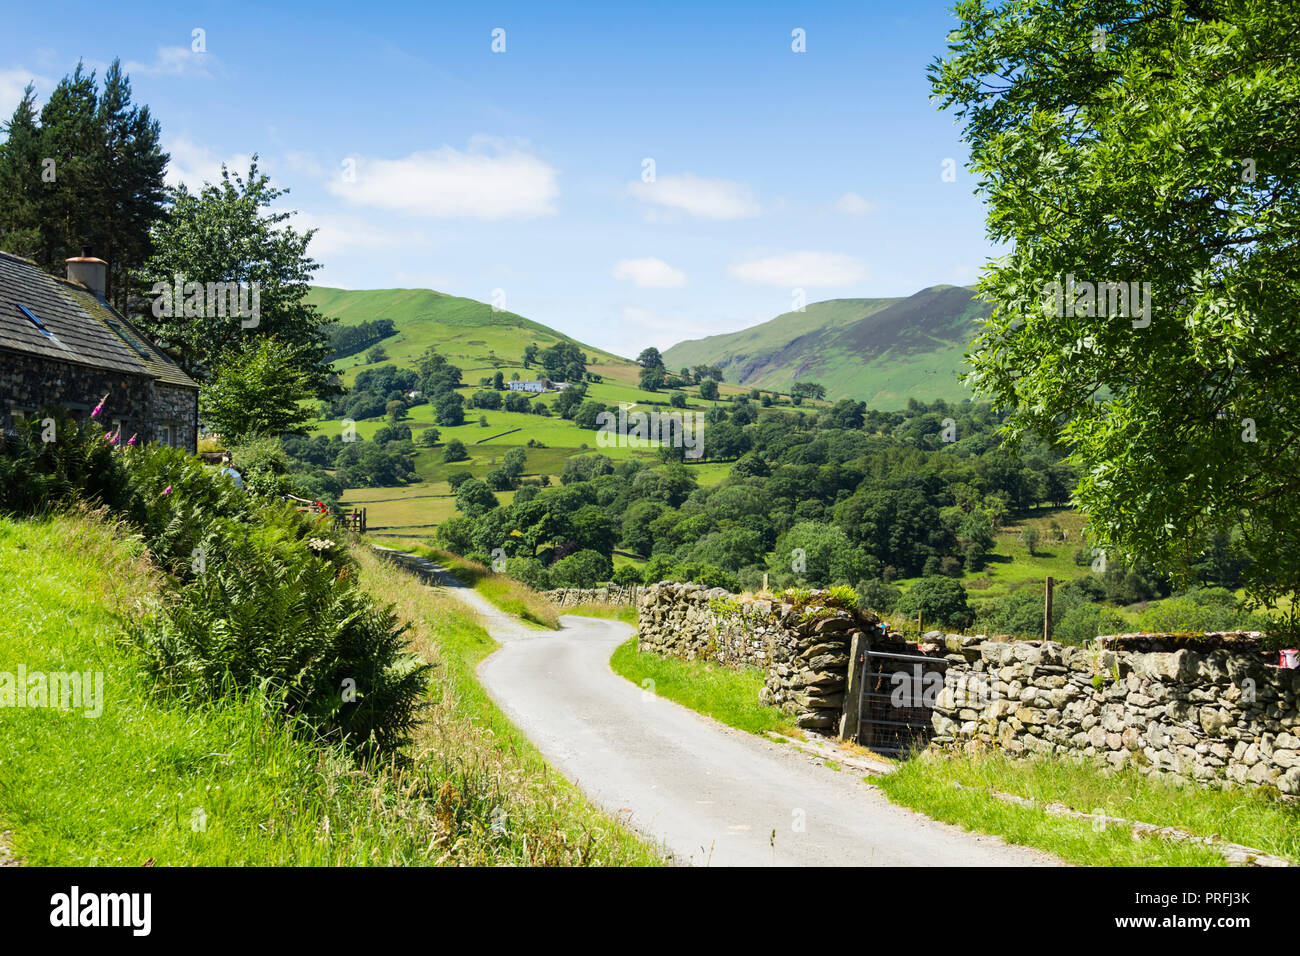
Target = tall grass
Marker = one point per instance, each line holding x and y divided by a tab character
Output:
235	781
511	596
614	612
1248	818
728	696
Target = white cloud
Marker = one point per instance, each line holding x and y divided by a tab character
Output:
172	61
446	183
851	204
802	270
698	197
344	235
12	84
650	273
194	164
640	326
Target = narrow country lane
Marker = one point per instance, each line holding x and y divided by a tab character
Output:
712	795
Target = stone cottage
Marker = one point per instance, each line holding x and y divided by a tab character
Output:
62	344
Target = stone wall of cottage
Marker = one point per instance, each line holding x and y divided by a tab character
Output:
1215	709
139	403
177	407
804	650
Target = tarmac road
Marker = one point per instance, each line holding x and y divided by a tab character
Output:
709	794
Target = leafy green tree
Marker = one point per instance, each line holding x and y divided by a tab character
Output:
878	595
1164	158
498	479
514	463
709	390
652	379
818	555
259	390
583	569
627	575
585	415
474	498
429	437
530	571
591	529
941	600
802	390
454	450
367	465
437	376
455	534
730	550
228	233
450	410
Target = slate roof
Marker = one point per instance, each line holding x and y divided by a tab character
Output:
82	330
144	351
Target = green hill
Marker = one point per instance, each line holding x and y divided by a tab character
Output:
468	332
881	351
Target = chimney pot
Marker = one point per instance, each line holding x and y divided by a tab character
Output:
90	272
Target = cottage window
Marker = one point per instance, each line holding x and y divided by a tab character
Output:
164	434
40	326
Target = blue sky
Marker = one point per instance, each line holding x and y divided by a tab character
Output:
427	159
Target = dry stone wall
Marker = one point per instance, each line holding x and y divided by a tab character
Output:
804	649
1215	709
611	594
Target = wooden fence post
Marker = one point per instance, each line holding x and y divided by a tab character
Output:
1047	610
852	711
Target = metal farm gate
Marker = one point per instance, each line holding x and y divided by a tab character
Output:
890	697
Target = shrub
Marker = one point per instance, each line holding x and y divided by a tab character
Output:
76	463
1202	609
627	575
942	601
877	595
456	534
454	450
1084	622
263	464
275	615
498	479
583	569
474	498
530	571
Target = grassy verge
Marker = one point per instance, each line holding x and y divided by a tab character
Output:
728	696
465	721
232	784
1252	819
511	596
614	612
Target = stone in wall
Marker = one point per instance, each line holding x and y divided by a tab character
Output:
804	649
610	594
1212	708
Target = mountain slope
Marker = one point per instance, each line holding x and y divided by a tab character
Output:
468	332
881	351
